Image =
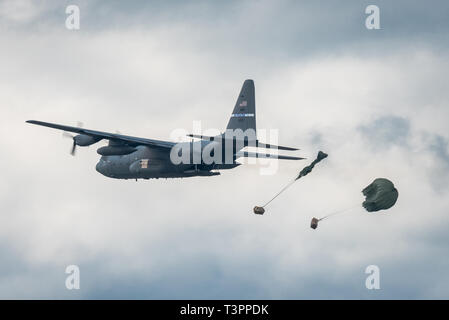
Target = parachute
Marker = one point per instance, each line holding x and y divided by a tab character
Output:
321	155
379	195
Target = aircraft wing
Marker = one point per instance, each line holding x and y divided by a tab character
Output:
132	141
241	154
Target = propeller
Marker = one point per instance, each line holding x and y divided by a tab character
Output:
71	136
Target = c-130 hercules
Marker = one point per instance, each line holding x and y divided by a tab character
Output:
127	157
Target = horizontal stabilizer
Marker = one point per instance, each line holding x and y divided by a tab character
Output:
250	144
273	146
241	154
199	136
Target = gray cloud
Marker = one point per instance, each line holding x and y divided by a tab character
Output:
386	131
439	147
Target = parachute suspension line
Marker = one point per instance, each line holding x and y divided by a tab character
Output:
338	212
277	194
305	171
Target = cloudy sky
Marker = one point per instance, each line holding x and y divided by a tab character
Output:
375	100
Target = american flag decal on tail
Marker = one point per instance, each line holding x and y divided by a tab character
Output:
243	103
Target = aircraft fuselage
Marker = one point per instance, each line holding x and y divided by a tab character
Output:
148	163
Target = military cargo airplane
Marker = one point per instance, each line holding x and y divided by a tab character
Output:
127	157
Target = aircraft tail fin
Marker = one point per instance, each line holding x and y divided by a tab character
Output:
244	114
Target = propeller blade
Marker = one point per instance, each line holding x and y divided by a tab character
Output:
65	134
73	151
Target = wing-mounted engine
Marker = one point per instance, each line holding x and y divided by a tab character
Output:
82	140
116	148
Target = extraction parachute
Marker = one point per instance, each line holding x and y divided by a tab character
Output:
321	155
